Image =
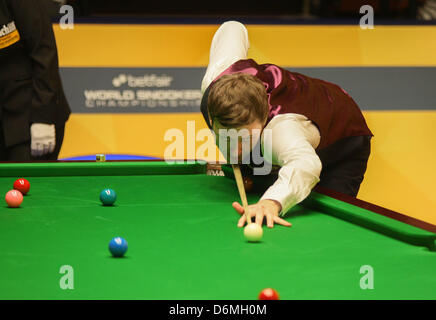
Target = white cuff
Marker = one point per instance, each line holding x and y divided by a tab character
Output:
291	188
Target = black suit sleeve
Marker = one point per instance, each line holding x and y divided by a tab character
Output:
35	27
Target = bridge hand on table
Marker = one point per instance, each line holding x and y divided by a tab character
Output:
268	209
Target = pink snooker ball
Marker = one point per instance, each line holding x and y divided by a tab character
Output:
14	198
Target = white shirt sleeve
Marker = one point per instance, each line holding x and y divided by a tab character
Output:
229	44
292	147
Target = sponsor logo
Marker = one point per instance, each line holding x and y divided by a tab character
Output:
147	91
145	81
8	35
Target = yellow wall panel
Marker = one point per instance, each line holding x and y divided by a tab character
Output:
302	46
134	45
398	46
401	171
134	134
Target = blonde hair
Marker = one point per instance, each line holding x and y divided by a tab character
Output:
238	99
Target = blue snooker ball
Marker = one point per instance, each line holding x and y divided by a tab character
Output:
118	246
108	197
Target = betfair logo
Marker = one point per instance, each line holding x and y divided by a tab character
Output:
7	29
145	81
8	35
119	81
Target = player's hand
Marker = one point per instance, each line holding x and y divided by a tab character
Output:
268	209
43	139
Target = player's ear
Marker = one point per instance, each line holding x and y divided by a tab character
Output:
210	119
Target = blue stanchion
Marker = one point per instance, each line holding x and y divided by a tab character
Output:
110	157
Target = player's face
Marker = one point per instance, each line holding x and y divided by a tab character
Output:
237	143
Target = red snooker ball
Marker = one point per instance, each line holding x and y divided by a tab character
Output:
14	198
22	185
268	294
248	184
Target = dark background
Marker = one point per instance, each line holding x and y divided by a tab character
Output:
290	9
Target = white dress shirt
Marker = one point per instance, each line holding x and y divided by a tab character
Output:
294	137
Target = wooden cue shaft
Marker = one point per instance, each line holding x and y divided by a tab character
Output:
241	189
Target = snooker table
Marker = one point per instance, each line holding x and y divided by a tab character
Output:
184	242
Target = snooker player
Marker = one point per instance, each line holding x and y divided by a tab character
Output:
318	133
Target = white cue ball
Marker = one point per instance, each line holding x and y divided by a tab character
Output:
253	232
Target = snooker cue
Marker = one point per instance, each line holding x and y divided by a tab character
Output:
241	189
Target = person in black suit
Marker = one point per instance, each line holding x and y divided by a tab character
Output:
33	107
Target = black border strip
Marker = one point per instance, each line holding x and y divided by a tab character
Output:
192	20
